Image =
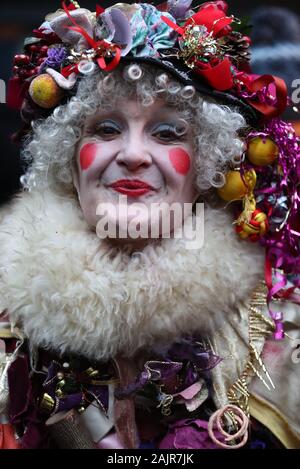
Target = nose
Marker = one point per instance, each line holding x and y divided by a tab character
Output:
135	153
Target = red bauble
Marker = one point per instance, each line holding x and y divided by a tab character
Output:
21	59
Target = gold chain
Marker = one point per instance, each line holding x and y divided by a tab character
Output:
260	327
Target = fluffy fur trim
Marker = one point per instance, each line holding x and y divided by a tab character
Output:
64	287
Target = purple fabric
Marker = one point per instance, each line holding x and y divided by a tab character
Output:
153	371
23	411
189	349
19	388
179	8
36	435
80	389
118	28
188	434
51	381
186	358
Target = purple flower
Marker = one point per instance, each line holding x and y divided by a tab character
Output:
188	434
56	55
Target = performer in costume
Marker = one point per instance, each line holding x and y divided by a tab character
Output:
150	341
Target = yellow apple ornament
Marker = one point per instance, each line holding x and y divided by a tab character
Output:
262	151
45	92
236	185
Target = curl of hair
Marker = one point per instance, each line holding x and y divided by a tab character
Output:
215	128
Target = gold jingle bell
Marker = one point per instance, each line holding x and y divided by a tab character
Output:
46	403
91	372
237	185
59	393
262	151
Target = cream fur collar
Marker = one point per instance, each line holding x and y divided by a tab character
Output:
59	283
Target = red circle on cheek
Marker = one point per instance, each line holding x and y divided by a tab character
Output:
88	154
180	160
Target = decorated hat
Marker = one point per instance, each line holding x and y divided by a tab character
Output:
205	48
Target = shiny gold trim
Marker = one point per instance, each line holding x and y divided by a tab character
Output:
271	418
7	334
260	327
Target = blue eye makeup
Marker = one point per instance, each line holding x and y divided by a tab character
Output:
169	132
107	129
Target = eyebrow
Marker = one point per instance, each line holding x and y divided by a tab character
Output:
160	114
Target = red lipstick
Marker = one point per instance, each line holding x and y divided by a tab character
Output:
131	187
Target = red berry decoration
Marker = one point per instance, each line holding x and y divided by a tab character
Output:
23	73
31	72
21	59
43	51
33	48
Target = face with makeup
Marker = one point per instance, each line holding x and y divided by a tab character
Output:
143	153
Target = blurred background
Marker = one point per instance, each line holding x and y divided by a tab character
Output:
275	49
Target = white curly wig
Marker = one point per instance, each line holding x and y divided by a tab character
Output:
215	127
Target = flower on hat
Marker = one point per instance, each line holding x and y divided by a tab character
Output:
209	45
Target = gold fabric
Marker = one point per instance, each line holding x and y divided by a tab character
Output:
271	418
282	360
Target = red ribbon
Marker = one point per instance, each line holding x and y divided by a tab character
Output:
272	291
16	92
99	10
71	7
218	77
217	5
261	82
172	25
100	45
112	64
66	71
214	19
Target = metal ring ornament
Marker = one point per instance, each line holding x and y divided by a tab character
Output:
240	417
